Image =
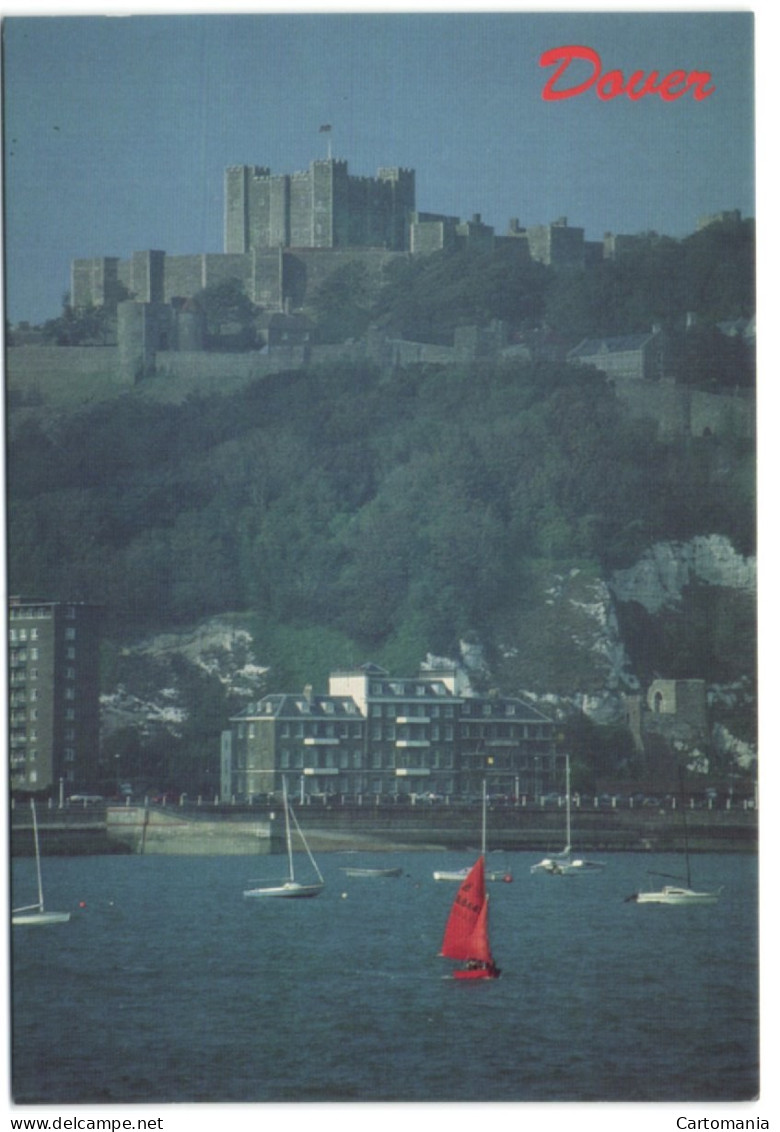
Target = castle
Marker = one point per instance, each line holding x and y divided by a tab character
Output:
284	234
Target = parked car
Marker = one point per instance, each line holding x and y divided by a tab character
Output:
87	799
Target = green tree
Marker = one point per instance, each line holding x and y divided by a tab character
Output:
230	316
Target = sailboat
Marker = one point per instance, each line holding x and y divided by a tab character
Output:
490	874
564	863
36	913
466	934
677	893
291	888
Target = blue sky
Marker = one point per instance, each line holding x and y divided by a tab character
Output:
117	130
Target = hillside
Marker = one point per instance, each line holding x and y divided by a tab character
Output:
344	512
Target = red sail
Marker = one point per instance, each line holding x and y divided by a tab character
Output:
466	933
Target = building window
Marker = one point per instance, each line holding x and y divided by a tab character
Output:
70	634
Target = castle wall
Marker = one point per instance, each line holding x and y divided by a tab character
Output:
716	415
682	411
277	208
219	268
557	245
267	278
328	216
663	401
183	276
306	269
428	236
300	218
148	276
95	282
235	203
201	364
142	330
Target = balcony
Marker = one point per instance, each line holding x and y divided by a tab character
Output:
317	770
413	719
317	741
412	742
412	772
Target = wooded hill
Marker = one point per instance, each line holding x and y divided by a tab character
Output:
350	513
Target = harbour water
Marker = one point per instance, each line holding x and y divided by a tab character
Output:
169	986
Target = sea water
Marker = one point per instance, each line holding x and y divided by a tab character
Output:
168	985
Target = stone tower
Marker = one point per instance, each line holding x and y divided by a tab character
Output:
323	207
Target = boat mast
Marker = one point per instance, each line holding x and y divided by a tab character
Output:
287	832
37	854
685	829
309	853
484	817
568	805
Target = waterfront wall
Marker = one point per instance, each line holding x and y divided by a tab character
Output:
222	831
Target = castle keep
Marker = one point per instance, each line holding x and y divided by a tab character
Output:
325	207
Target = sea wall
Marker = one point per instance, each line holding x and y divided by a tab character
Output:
224	830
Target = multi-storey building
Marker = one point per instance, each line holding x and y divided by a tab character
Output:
53	694
375	734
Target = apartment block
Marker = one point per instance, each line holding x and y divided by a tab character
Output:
379	735
53	694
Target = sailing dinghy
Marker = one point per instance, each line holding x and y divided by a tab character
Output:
466	934
36	913
490	874
565	864
291	888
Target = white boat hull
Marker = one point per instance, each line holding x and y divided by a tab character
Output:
291	890
36	917
566	867
671	894
355	872
460	874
